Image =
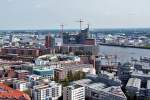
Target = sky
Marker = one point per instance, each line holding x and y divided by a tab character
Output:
49	14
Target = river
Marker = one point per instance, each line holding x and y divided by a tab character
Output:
123	53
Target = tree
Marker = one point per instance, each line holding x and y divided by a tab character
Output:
65	82
70	76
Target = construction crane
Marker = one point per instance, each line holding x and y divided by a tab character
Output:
80	21
62	30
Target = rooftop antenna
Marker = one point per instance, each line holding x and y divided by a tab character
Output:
80	21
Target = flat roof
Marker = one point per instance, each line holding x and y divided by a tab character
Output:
114	90
75	86
21	71
148	84
83	82
42	69
139	73
134	82
98	86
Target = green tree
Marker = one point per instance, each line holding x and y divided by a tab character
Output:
65	82
70	76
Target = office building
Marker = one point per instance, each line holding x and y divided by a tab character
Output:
63	72
124	71
92	49
21	85
74	92
21	74
90	41
44	72
139	74
49	41
133	86
49	91
95	90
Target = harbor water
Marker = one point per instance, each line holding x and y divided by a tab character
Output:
123	53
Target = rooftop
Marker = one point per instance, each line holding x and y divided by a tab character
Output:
97	86
21	71
115	90
134	82
49	84
75	86
42	69
148	84
9	93
83	82
139	73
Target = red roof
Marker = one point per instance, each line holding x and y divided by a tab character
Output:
8	93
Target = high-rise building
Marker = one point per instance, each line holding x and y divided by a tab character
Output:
49	41
74	92
51	91
83	35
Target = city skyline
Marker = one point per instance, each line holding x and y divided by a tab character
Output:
49	14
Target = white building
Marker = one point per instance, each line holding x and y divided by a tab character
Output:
58	41
133	86
20	85
51	91
100	91
74	92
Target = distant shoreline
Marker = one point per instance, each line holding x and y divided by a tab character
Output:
124	46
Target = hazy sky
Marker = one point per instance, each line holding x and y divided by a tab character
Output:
49	14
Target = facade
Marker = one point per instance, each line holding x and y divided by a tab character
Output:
20	85
21	74
1	72
124	71
70	38
148	89
83	35
49	41
100	91
93	49
138	88
74	92
44	72
139	74
58	41
51	91
76	37
63	72
133	86
90	42
30	52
